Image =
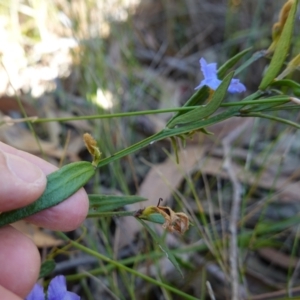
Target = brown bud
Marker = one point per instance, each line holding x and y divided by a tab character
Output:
92	147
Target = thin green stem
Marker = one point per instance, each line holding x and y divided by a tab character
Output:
116	115
139	258
131	149
282	99
245	237
273	118
159	111
281	108
125	268
166	133
110	214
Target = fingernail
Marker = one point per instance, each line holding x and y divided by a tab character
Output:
23	169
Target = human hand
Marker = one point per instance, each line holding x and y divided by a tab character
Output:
23	180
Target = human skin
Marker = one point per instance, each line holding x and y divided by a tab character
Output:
22	181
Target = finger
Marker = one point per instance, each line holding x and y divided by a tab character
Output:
21	182
7	295
66	216
19	261
46	167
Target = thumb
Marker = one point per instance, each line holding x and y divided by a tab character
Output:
7	295
21	182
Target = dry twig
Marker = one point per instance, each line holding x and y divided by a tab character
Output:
235	211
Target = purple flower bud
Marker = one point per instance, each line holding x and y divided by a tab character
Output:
211	79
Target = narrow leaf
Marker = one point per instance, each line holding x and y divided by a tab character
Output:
107	203
197	98
168	132
278	226
273	118
60	185
256	56
281	49
231	62
295	86
259	106
205	111
162	245
262	107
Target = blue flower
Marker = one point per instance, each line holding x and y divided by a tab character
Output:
211	79
57	290
36	293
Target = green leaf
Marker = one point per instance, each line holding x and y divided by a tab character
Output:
175	148
295	86
108	203
231	62
47	268
262	107
163	246
270	102
60	185
205	131
197	98
202	112
273	118
256	56
278	226
167	132
154	218
281	49
265	242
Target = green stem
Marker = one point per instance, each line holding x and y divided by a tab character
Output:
111	214
281	108
282	99
158	111
262	231
120	266
156	137
116	115
273	118
166	133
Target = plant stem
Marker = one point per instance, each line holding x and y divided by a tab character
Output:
171	132
265	116
130	270
282	99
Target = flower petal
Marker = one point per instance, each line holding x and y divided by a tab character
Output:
58	290
210	75
211	79
37	293
209	70
236	86
70	296
211	83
